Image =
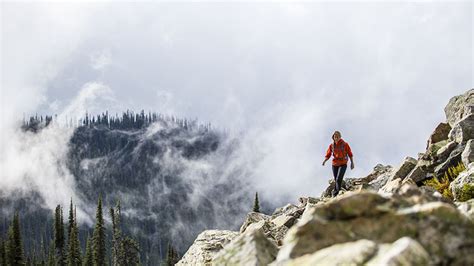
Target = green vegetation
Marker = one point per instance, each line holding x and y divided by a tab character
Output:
442	184
67	250
98	239
256	204
467	192
14	247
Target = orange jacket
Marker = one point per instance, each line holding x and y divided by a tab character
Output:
340	154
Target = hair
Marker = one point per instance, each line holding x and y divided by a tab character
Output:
335	132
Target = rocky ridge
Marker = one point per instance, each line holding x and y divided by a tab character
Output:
389	217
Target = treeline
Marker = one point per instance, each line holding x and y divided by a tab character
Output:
65	247
128	120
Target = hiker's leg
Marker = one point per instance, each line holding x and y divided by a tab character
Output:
335	171
340	176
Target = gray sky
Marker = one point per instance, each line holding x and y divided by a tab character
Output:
287	75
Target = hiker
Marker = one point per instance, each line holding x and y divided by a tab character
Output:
340	150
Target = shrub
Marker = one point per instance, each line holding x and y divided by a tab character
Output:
442	184
467	192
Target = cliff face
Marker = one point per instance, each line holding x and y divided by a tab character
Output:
420	212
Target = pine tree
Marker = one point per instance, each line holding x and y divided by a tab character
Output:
71	220
14	250
59	241
3	259
117	253
74	246
88	257
51	256
98	244
171	255
131	252
256	204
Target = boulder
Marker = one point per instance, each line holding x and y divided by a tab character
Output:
409	194
467	156
250	248
432	150
274	233
391	186
463	186
206	245
453	159
376	179
439	134
288	209
463	130
467	208
459	106
285	220
405	168
443	153
439	227
404	251
305	200
350	253
417	174
253	217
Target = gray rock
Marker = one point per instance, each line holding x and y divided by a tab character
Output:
250	248
288	209
439	227
404	251
463	186
285	220
206	245
453	159
418	174
304	200
405	168
350	253
253	217
391	186
467	208
376	179
443	153
274	233
467	155
439	134
463	130
457	107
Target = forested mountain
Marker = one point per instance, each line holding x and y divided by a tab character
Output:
172	177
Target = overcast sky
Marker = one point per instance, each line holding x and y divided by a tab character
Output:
287	74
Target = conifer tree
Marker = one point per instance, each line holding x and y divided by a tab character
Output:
117	252
3	259
71	219
74	246
14	250
88	257
256	204
59	241
130	251
171	255
51	256
98	241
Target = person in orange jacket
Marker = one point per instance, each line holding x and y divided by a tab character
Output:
340	150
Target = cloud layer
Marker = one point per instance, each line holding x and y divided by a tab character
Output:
282	76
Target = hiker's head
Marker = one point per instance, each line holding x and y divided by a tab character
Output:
336	136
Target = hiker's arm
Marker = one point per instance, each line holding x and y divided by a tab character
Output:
328	155
349	152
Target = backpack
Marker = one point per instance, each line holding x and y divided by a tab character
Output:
339	149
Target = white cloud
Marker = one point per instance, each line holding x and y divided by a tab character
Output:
286	74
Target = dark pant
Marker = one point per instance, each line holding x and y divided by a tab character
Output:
338	172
